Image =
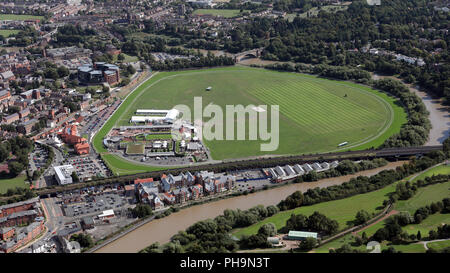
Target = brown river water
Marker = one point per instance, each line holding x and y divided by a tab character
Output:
161	230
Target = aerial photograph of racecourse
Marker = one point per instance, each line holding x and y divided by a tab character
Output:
231	127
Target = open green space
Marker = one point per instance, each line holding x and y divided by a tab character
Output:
343	211
20	17
12	183
121	166
315	114
424	196
350	239
227	13
439	245
7	32
441	169
315	11
128	58
154	136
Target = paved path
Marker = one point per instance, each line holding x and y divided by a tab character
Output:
427	242
417	174
389	214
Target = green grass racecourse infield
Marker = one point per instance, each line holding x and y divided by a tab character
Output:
316	114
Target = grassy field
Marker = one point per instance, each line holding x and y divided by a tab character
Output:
12	183
20	17
227	13
439	245
315	113
343	211
349	239
128	58
7	32
424	196
120	166
441	169
315	11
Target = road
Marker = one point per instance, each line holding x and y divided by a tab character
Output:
254	163
46	178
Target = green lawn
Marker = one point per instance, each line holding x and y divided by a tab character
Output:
343	210
439	245
349	239
441	169
315	11
424	196
227	13
21	17
128	58
120	166
7	32
12	183
155	136
315	114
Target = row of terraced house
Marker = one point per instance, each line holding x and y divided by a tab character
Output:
181	188
20	223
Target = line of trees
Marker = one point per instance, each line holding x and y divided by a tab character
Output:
211	235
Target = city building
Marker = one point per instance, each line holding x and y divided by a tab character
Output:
11	118
98	73
27	126
4	95
63	174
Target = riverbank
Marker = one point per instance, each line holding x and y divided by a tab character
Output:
439	113
161	230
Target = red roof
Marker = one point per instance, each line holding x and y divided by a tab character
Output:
144	180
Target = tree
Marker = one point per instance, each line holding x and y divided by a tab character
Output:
75	177
121	57
268	230
142	210
63	71
15	168
308	244
131	70
125	81
362	216
419	235
446	146
85	240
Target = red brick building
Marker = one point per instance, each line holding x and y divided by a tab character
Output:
82	148
4	95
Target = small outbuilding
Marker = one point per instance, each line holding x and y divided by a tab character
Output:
301	235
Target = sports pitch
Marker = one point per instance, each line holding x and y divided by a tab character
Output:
316	114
